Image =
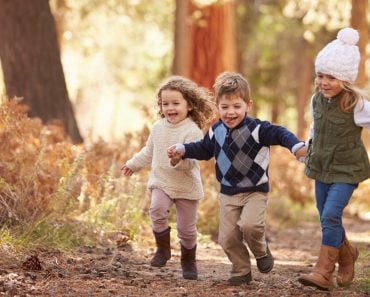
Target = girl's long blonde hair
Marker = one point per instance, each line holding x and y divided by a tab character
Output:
351	95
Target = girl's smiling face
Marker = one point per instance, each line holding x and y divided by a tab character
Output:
174	106
232	109
328	85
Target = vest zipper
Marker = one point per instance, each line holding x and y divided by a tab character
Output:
324	127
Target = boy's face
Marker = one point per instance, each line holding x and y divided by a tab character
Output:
232	109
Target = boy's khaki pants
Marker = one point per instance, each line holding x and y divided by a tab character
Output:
242	220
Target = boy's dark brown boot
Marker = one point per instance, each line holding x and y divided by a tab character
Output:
240	279
321	275
188	263
266	263
163	253
347	257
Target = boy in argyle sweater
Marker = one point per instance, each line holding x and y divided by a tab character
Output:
240	146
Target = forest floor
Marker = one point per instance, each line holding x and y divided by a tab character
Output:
125	271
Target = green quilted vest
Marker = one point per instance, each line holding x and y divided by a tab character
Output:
336	152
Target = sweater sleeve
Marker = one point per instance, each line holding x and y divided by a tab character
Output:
270	134
362	113
202	149
187	164
143	158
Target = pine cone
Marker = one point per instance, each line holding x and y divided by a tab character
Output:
32	263
122	240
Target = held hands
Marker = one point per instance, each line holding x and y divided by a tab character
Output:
126	171
175	153
301	153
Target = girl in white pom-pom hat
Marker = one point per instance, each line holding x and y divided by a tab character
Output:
337	159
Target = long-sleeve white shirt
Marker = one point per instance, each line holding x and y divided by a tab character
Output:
362	114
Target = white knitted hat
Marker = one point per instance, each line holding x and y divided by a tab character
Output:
341	57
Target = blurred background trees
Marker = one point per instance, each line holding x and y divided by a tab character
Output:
115	53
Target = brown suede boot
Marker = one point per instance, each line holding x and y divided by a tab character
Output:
163	252
188	263
347	257
321	275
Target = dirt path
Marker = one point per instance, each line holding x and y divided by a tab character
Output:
91	271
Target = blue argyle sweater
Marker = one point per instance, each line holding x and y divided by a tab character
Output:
242	154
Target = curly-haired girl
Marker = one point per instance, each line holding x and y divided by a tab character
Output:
185	108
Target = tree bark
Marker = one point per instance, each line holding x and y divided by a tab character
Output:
181	44
31	62
209	44
304	91
359	22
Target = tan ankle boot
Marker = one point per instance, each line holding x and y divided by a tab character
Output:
321	275
347	257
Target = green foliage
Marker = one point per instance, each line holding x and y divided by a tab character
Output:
62	235
208	213
318	15
122	208
360	200
363	270
274	38
7	240
46	233
64	201
283	212
58	194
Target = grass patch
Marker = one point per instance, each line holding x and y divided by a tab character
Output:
282	211
44	234
362	277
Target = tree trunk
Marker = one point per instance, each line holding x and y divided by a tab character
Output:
359	22
31	62
304	91
59	17
275	111
209	47
181	44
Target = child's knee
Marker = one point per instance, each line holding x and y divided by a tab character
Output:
159	214
252	229
223	239
331	216
186	233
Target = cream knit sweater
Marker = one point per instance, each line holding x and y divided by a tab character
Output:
180	181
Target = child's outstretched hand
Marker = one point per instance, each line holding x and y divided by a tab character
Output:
301	153
175	153
126	171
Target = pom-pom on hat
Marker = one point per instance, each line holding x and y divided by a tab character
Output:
341	57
